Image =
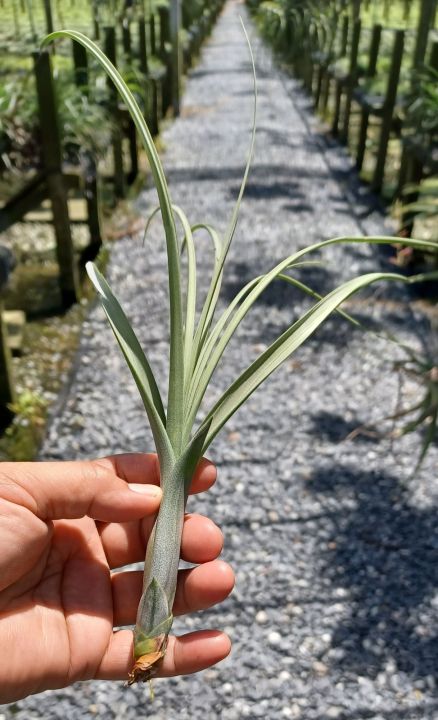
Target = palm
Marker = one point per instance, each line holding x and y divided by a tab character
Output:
60	602
69	611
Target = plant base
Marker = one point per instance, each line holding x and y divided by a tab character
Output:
146	666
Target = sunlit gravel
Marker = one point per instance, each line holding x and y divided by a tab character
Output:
334	545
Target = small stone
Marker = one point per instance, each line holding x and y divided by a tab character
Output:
274	638
273	516
301	582
284	675
210	675
341	592
227	687
287	660
261	617
334	712
293	711
320	668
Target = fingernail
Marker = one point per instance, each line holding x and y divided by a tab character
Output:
153	491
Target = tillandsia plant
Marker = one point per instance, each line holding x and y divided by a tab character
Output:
197	343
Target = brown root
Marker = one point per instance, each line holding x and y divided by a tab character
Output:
145	667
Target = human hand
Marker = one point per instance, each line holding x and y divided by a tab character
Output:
64	526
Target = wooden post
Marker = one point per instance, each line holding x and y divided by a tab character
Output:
94	220
132	132
151	85
126	37
155	104
320	67
411	171
163	13
80	59
7	389
153	36
49	16
351	79
175	24
371	71
95	12
341	53
331	53
311	44
433	59
427	15
388	109
338	82
356	10
142	50
344	36
119	175
52	159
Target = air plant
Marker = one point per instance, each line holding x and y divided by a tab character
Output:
423	369
197	343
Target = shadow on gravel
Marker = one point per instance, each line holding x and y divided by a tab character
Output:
335	331
279	293
399	714
224	173
243	69
385	553
269	190
334	428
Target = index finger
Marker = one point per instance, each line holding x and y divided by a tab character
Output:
145	468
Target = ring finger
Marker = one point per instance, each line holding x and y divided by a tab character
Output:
197	589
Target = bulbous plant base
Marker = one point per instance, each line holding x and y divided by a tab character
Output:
145	668
147	665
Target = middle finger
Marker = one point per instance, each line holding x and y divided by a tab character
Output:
201	541
197	589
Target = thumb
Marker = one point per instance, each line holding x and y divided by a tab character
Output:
66	490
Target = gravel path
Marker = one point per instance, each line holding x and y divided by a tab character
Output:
334	546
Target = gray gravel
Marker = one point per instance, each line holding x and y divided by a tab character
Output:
334	546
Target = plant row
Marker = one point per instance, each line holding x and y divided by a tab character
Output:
376	86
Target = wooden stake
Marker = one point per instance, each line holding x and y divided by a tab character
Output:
119	175
7	390
49	16
52	158
175	25
427	15
388	109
